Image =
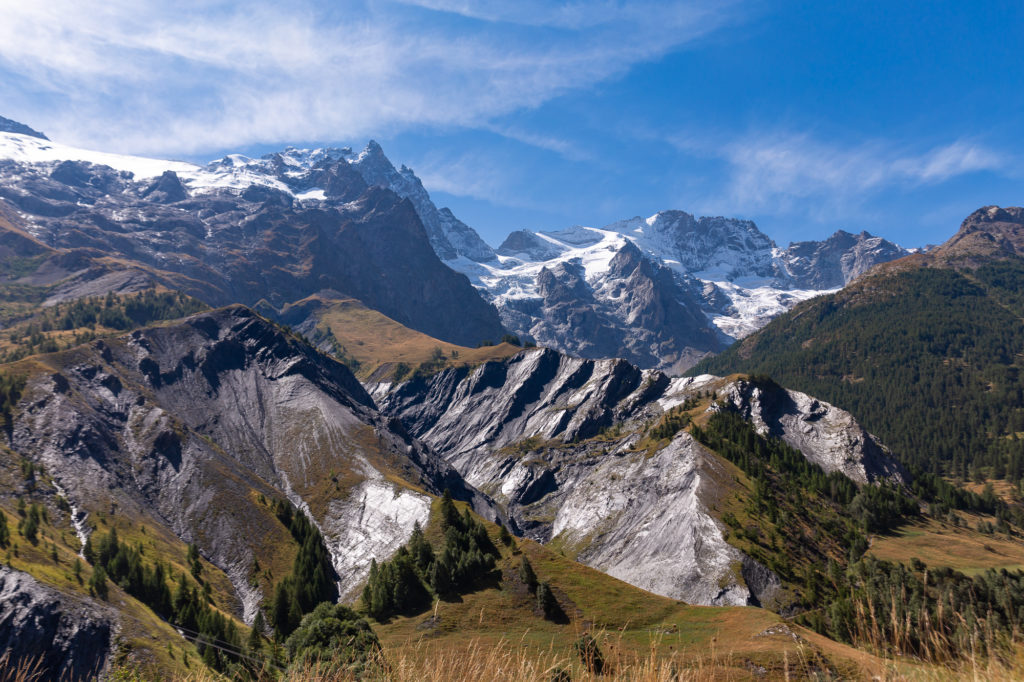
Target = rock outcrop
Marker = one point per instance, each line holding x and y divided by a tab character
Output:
555	440
838	260
189	424
62	637
827	435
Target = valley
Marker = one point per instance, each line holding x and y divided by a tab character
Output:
234	392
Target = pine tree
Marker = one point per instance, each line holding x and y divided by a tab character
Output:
279	612
546	601
5	532
294	615
30	526
194	566
98	582
440	578
255	641
87	550
421	551
504	535
449	514
527	575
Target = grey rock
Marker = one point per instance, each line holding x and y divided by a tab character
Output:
69	635
638	311
827	435
185	424
838	260
449	236
528	246
551	439
9	126
167	189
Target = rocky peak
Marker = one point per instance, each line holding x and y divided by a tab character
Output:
9	126
337	179
167	189
449	236
374	166
989	233
838	260
563	283
828	436
529	246
627	260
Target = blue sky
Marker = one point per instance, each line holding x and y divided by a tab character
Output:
895	117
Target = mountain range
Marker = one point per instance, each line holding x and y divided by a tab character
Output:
661	292
232	392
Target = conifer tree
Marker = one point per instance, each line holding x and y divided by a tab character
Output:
87	550
98	582
527	575
449	515
546	601
255	641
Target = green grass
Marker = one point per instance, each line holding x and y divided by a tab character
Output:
629	623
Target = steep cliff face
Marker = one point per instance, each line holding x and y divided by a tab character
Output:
189	425
838	260
827	435
637	310
449	236
70	637
237	231
563	444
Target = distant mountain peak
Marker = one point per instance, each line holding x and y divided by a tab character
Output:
9	126
991	232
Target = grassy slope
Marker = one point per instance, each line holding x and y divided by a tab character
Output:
145	641
376	340
631	625
34	329
937	543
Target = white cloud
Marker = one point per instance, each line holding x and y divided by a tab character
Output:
156	77
778	173
582	14
471	175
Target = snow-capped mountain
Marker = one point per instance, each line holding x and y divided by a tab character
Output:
560	288
661	291
449	236
730	276
269	231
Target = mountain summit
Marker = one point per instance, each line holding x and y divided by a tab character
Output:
9	126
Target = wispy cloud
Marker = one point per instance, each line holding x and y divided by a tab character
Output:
472	175
796	172
153	77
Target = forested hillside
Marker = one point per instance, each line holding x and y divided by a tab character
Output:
927	358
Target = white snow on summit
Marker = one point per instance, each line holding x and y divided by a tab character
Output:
28	149
732	256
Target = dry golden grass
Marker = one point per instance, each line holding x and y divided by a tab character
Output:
374	339
510	663
941	544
